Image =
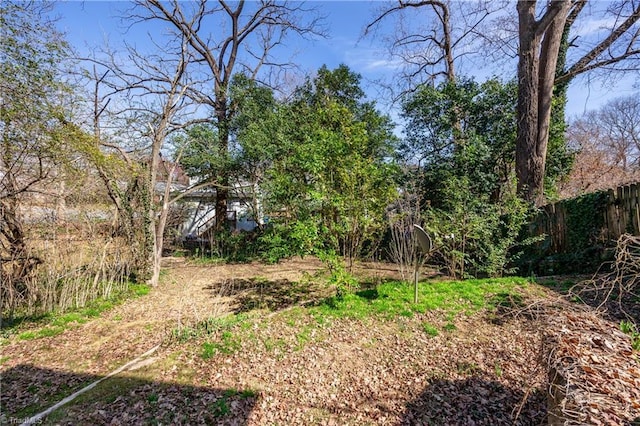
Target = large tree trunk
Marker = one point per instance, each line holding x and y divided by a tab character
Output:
538	55
527	106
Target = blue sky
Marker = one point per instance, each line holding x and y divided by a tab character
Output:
91	24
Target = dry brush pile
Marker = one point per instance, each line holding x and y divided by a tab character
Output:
594	371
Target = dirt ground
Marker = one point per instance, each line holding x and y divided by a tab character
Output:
289	369
184	296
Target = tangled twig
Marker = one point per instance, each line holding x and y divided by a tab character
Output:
622	281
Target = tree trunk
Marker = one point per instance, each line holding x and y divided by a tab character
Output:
155	229
158	239
222	191
538	54
527	106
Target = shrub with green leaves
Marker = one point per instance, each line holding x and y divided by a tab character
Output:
474	237
330	171
464	133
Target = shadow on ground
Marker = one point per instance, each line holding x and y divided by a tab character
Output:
274	295
119	400
475	401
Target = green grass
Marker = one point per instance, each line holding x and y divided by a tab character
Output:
54	323
302	338
220	407
395	298
466	368
243	394
430	329
206	260
42	332
228	344
449	327
71	317
390	300
271	344
210	326
630	329
139	289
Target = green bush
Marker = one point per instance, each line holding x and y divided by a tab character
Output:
234	246
274	246
472	235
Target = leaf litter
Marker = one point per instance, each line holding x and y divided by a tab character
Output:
286	367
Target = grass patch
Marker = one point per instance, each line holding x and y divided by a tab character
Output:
630	329
393	299
466	368
390	300
210	326
430	329
449	327
139	290
206	260
271	344
220	407
302	338
70	317
54	323
243	394
42	332
227	345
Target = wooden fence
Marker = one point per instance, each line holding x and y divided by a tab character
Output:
593	219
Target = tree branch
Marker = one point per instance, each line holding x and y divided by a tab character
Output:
585	63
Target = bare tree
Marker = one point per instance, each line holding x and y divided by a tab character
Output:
112	119
225	38
619	122
541	31
607	142
432	37
149	93
171	90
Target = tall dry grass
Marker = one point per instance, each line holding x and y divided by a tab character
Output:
79	262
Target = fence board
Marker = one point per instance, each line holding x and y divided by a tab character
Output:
620	212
